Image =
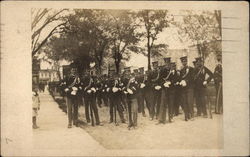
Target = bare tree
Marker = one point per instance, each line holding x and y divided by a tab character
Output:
41	20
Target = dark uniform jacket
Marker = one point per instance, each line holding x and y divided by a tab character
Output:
218	74
187	74
70	82
200	76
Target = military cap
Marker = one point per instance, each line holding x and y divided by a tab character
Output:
141	69
167	59
184	58
136	71
155	63
127	69
173	63
197	59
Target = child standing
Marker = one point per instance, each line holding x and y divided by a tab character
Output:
35	107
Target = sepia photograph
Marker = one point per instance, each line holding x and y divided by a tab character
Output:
130	79
124	79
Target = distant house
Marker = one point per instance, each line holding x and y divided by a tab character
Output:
48	75
192	53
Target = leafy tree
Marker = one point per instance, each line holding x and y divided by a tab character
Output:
203	29
154	22
123	35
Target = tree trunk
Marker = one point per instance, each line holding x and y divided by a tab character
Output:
149	51
117	66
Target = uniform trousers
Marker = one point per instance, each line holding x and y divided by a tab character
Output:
155	108
187	102
170	98
200	94
219	98
115	105
72	109
132	111
148	95
91	108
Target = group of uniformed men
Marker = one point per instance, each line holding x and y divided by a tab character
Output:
132	92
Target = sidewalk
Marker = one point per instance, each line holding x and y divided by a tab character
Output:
53	138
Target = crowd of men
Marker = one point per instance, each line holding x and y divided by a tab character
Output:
139	91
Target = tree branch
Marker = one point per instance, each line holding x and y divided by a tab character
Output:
34	51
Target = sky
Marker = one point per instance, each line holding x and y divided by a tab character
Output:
169	36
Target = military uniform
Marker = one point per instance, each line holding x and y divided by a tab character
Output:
218	86
90	101
131	90
71	88
187	76
200	83
140	78
115	100
99	92
156	88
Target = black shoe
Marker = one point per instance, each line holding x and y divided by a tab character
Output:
35	127
69	126
100	124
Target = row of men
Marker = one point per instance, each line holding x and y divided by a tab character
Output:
131	92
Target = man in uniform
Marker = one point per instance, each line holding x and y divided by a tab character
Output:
72	83
218	86
115	100
154	79
195	91
164	81
141	91
186	82
131	91
90	100
201	82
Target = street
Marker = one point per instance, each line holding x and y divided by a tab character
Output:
53	134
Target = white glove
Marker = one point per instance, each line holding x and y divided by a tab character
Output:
142	85
89	91
134	88
183	83
80	88
74	88
157	87
205	83
114	89
130	91
121	84
33	93
73	92
66	89
103	90
125	92
166	84
177	83
106	85
107	89
93	89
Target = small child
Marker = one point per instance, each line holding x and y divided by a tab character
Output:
36	107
